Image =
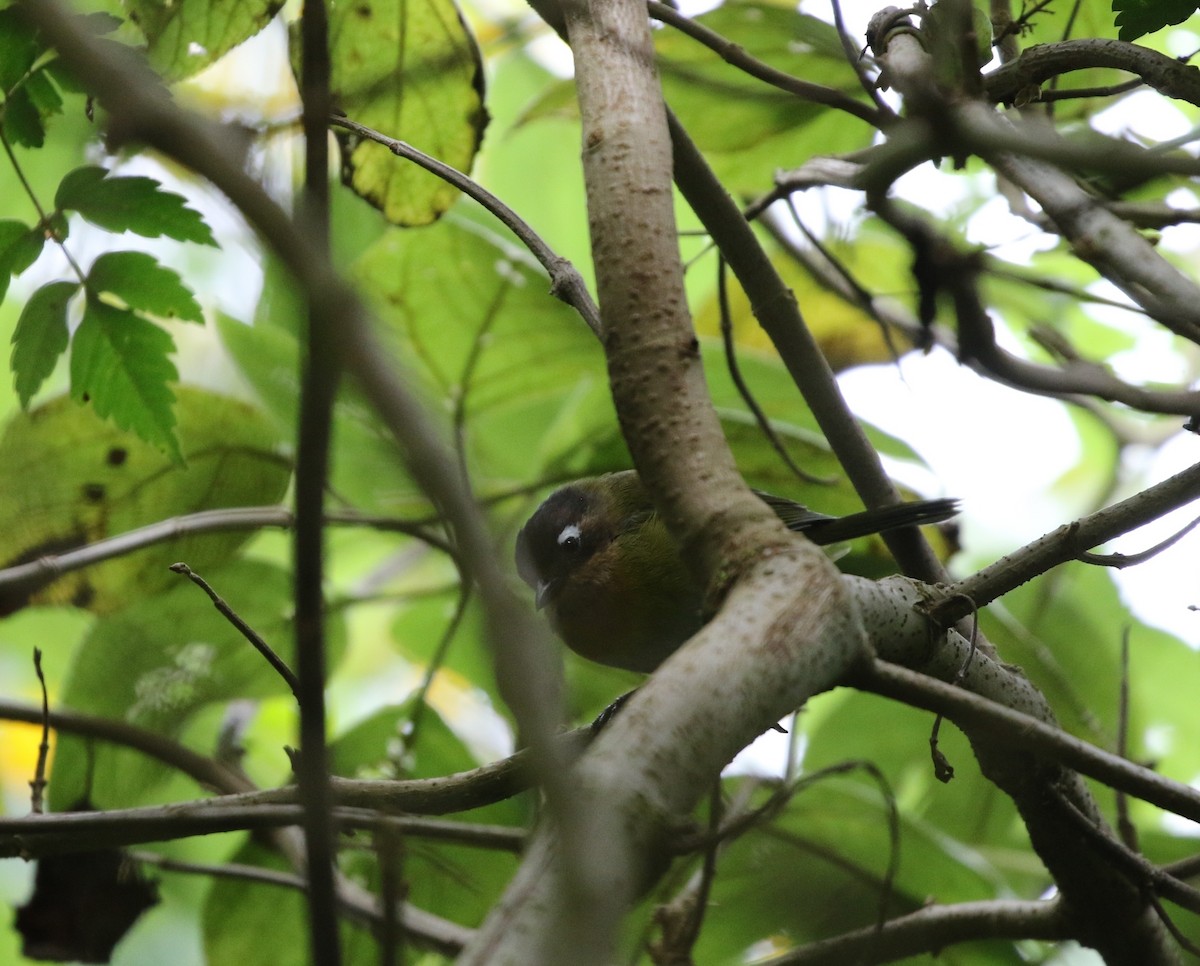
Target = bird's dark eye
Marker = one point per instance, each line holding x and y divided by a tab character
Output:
569	538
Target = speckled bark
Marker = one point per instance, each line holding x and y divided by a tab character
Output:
770	646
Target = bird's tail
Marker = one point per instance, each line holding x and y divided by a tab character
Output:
917	513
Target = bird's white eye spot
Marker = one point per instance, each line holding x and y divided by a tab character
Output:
569	537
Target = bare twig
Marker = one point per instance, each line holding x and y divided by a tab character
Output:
1125	827
38	785
942	768
1122	560
117	827
1136	866
243	628
428	931
1027	733
565	281
776	309
736	55
932	929
735	373
37	573
1068	543
1168	75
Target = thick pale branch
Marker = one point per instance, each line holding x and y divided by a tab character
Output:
660	754
765	652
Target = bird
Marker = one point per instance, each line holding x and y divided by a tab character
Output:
609	575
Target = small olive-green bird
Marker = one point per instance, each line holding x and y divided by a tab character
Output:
604	567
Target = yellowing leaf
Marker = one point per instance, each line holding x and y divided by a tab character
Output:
68	478
847	335
184	36
408	69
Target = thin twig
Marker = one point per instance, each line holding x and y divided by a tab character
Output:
1125	826
708	873
779	315
864	299
243	628
566	283
40	572
942	769
320	373
1134	864
118	827
1024	732
1122	560
389	852
736	56
44	223
932	929
1066	543
735	373
38	785
854	58
450	943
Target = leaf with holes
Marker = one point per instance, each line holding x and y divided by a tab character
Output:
68	478
139	281
409	69
185	36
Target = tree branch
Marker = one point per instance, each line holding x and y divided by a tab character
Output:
929	931
1068	542
1018	78
142	111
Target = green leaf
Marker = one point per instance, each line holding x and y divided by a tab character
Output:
143	284
185	36
162	658
136	204
119	362
27	99
20	246
41	337
68	478
21	122
1137	17
247	922
409	69
489	338
18	48
774	127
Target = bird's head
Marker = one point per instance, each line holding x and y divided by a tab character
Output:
561	536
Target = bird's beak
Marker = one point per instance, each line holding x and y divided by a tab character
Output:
544	591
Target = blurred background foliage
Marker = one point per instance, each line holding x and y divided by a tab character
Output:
519	386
